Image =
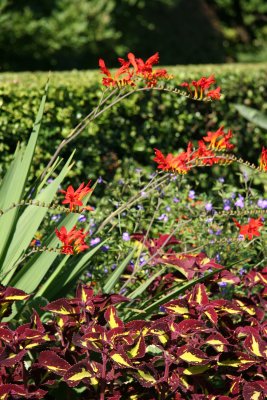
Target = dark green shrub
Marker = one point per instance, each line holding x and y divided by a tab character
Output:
133	127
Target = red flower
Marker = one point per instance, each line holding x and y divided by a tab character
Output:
201	88
172	163
204	156
73	241
132	69
251	229
219	140
74	197
263	159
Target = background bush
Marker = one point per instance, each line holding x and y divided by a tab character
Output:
131	129
65	34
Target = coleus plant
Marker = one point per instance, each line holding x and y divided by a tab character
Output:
197	346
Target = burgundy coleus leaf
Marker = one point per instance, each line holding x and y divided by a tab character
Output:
229	278
103	300
61	307
146	376
192	355
120	358
84	297
6	335
92	341
54	363
36	321
236	385
177	307
112	318
8	358
190	326
211	314
138	350
218	342
225	306
32	337
198	296
12	294
120	336
80	372
14	390
183	263
245	361
256	346
253	391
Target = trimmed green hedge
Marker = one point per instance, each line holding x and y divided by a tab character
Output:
133	127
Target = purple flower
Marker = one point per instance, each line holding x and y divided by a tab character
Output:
121	182
191	194
138	170
126	237
50	180
139	207
113	266
227	204
210	231
221	180
242	271
262	203
218	232
240	202
168	208
162	309
105	248
82	218
163	217
218	257
176	200
88	274
208	207
106	270
95	241
100	180
56	217
37	243
143	194
222	284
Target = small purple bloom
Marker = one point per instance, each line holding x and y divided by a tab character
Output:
208	207
210	231
240	202
56	217
106	270
105	248
222	284
218	257
218	232
113	266
126	237
88	274
262	203
191	194
163	217
50	180
221	180
139	207
168	208
37	243
82	218
95	241
176	200
121	182
138	170
242	271
227	204
143	194
100	180
162	309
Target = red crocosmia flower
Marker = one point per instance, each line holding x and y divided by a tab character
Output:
132	69
179	163
251	229
214	94
200	88
263	159
204	156
73	241
74	197
219	140
118	79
